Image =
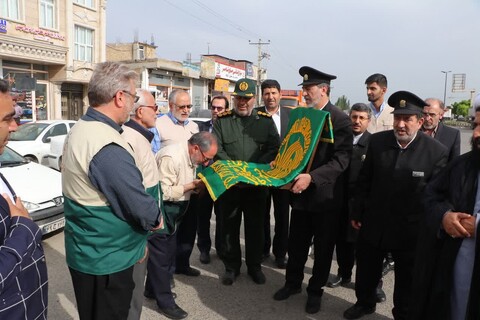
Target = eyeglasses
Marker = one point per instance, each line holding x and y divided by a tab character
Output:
134	96
205	158
431	115
217	108
187	106
154	108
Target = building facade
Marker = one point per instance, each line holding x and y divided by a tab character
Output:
48	49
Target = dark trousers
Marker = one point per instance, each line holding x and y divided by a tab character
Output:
103	297
186	233
250	201
304	225
281	212
203	205
369	272
159	268
345	246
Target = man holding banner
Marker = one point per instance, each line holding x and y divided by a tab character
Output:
317	196
248	135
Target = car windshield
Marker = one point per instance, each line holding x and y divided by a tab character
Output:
10	158
28	132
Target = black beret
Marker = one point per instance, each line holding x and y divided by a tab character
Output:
405	102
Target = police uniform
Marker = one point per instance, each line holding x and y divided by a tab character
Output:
389	204
316	211
252	138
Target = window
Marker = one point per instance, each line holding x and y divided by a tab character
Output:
141	53
86	3
83	44
47	14
10	9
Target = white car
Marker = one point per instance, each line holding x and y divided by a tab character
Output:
54	158
32	139
39	188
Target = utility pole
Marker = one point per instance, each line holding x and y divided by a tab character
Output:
261	55
445	88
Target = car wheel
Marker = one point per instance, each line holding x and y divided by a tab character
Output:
31	159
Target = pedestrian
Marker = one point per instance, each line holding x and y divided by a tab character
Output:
248	135
281	197
382	113
446	285
387	205
23	269
108	215
202	203
360	115
317	197
434	127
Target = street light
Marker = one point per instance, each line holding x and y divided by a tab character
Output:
445	89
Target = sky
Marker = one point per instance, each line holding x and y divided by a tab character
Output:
409	41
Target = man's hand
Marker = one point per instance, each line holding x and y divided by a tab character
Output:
192	186
17	209
452	224
272	164
145	255
160	224
469	225
356	224
301	182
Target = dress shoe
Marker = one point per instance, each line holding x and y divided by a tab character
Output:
313	304
191	272
281	263
257	276
380	295
174	312
336	281
285	293
357	311
229	277
388	265
205	257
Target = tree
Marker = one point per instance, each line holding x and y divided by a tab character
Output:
343	103
461	108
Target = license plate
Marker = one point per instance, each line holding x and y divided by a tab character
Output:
52	226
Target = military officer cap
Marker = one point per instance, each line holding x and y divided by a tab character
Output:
313	76
405	102
245	88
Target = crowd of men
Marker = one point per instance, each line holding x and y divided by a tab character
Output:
390	190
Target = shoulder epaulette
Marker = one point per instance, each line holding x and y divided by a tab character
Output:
225	113
261	113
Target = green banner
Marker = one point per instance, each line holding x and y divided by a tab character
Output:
305	128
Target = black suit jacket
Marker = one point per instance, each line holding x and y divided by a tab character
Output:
389	194
205	125
450	138
284	118
326	193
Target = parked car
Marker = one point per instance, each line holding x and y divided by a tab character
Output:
39	188
54	158
32	140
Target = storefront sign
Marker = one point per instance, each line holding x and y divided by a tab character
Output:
3	26
207	68
221	85
227	72
190	70
40	32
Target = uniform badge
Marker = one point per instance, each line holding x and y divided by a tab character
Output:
403	103
305	77
243	86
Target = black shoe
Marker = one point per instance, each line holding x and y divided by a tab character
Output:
148	295
174	295
285	293
281	263
191	272
313	304
380	295
357	311
228	278
257	276
336	281
205	257
174	312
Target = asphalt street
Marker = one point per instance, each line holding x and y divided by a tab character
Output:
205	297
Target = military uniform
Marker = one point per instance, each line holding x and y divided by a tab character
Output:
252	138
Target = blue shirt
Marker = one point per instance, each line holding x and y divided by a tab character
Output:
374	110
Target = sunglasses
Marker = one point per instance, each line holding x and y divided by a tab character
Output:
205	158
154	108
187	106
217	108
